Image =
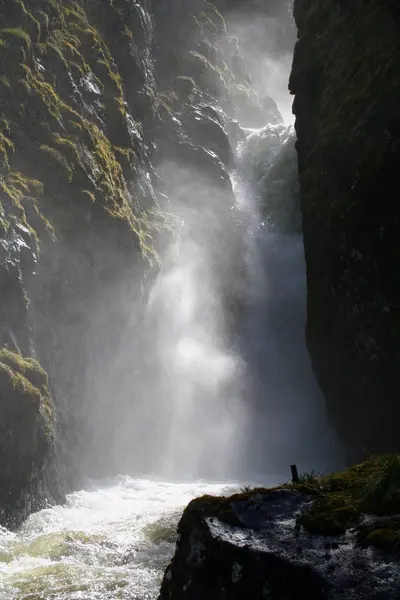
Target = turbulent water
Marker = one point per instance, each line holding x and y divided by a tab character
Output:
111	541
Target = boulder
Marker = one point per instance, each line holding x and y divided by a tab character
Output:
330	538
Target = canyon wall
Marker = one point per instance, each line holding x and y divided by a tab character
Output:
347	91
94	96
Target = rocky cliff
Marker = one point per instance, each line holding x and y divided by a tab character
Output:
347	91
72	175
94	96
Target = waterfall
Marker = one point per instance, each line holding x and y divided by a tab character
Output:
230	391
288	423
197	371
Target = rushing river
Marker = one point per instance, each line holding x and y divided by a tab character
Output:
112	541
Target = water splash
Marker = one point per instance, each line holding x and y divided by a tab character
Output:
111	541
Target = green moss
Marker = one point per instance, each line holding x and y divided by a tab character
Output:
330	515
17	32
19	190
41	53
6	146
341	503
221	506
59	160
28	367
16	385
29	17
385	536
372	488
24	388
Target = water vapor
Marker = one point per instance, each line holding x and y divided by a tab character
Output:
267	41
211	378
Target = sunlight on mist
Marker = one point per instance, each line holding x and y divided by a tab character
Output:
214	375
267	44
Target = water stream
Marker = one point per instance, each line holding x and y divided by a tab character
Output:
111	541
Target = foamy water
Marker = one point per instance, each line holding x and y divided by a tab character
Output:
112	541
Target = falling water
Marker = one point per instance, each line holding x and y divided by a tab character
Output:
289	423
228	401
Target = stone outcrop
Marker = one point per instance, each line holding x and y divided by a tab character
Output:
326	538
346	86
27	434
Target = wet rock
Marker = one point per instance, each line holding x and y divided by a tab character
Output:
204	127
93	97
248	546
27	432
17	260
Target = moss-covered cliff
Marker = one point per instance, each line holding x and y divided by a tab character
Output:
27	435
347	91
73	166
65	121
93	96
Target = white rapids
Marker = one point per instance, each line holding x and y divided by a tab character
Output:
112	541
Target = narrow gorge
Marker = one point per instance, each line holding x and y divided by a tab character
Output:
198	290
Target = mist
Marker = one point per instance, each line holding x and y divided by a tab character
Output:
199	373
211	378
267	38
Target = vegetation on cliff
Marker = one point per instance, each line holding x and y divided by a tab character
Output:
207	58
27	430
68	143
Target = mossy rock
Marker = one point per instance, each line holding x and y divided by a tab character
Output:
28	367
384	535
346	498
27	424
64	147
326	518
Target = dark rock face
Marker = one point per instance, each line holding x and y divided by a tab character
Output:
347	91
27	433
249	546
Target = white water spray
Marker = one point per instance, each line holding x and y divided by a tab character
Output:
197	375
111	541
